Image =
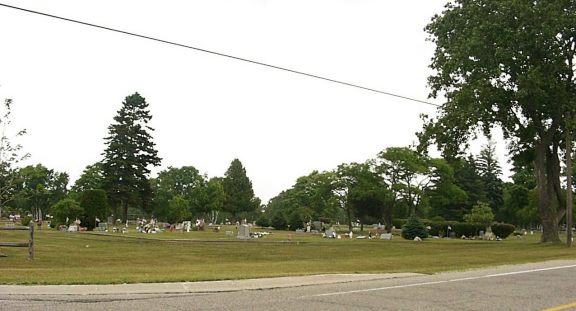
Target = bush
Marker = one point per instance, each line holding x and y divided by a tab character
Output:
467	229
279	222
66	209
25	220
398	223
95	205
502	230
263	221
414	227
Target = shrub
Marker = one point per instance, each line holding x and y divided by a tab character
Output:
278	221
467	229
263	220
25	220
95	205
414	227
502	230
398	223
66	209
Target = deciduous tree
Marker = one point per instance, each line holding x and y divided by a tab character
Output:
508	64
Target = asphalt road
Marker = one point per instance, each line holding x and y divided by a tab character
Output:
541	286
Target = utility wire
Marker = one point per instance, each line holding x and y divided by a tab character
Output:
220	54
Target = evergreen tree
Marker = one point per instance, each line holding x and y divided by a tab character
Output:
468	179
129	154
490	172
238	188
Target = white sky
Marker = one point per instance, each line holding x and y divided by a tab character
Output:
68	81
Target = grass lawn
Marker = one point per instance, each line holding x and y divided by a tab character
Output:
87	258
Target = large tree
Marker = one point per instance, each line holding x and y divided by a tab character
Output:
92	178
407	174
508	64
240	197
129	154
38	188
186	183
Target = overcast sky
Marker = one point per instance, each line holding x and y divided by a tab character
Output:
68	81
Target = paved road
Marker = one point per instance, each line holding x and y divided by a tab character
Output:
541	286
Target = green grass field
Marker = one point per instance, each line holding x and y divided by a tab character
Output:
87	258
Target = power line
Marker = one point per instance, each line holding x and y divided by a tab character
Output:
220	54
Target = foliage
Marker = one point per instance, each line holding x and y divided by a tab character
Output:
92	178
263	221
502	230
95	205
65	211
38	188
446	199
279	221
299	218
25	220
481	213
414	227
490	172
185	182
216	198
129	154
178	210
506	64
238	188
467	229
10	156
407	174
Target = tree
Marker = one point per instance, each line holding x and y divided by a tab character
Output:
216	198
95	205
38	188
65	211
446	198
10	156
185	182
92	178
490	172
240	197
508	64
481	214
178	209
407	174
129	154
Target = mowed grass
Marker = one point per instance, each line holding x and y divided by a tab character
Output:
87	258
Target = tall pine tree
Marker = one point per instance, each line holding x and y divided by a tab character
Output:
490	172
129	154
240	197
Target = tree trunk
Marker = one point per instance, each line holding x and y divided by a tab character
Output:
547	169
388	218
124	212
349	214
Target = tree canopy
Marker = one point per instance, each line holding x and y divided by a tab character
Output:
508	64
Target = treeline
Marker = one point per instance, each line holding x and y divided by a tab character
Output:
399	183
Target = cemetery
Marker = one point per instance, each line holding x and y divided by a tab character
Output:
195	250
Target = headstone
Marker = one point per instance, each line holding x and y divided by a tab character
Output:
73	228
102	226
244	232
386	236
317	225
186	225
330	234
